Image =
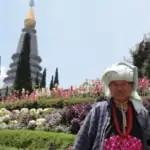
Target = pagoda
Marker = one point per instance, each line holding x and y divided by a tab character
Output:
35	59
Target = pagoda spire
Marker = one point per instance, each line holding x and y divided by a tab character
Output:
31	4
30	21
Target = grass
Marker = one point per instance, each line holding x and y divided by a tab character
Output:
13	148
34	140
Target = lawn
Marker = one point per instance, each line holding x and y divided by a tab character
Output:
11	148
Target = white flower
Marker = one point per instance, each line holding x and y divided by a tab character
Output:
1	113
1	119
4	111
33	110
47	109
16	111
40	121
3	125
32	122
24	110
39	110
13	122
6	117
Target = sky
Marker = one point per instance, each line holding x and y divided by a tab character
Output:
80	37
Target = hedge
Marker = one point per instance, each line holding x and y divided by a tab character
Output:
49	103
44	103
34	140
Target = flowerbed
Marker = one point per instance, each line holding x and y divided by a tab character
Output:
67	119
90	88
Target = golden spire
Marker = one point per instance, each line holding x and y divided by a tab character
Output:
29	21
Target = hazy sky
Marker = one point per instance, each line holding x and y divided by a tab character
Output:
80	37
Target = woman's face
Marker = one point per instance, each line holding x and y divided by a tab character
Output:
120	89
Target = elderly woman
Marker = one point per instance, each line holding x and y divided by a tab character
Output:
122	122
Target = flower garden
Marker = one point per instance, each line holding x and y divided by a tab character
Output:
48	120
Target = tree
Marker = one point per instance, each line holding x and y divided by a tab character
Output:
23	72
56	80
43	81
0	95
51	84
141	58
147	67
37	81
6	92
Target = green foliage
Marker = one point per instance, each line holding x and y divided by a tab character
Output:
56	80
147	68
35	139
37	81
43	81
0	95
51	84
141	59
138	58
44	103
6	92
23	73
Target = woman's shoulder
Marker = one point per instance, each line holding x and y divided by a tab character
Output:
99	108
139	107
101	104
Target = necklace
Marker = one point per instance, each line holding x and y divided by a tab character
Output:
123	110
121	104
129	122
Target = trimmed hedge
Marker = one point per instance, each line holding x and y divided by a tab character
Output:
44	103
34	140
49	103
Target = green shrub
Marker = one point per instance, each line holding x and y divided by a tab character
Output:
43	103
35	139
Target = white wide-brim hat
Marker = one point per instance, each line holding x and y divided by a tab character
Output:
121	71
